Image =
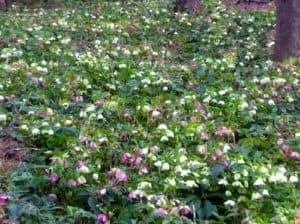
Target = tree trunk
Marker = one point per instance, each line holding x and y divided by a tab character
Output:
287	41
187	5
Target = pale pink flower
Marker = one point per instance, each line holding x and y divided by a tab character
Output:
102	217
3	199
161	211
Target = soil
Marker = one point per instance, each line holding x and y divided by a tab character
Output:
11	154
250	5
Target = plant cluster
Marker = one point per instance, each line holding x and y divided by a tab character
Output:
141	115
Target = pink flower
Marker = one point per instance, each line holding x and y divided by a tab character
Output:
136	194
204	136
79	164
138	160
121	176
133	194
99	102
72	183
127	158
53	177
154	149
279	141
161	211
83	139
143	170
218	153
93	145
201	148
78	99
184	210
222	130
102	217
3	198
286	150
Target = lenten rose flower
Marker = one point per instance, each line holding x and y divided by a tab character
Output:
92	145
72	183
121	176
222	130
83	139
3	199
218	153
185	210
79	164
161	211
102	217
53	177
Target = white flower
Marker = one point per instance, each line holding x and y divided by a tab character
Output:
81	180
122	66
90	108
293	179
237	176
162	127
35	131
24	127
256	196
259	182
182	159
164	139
190	183
228	193
155	113
3	117
103	140
95	176
158	164
84	169
170	133
265	192
229	203
171	181
279	81
165	166
144	185
265	80
223	182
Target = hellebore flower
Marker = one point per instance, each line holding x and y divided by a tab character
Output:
53	177
3	199
161	211
102	217
79	164
184	210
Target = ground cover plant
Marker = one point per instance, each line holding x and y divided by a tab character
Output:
132	113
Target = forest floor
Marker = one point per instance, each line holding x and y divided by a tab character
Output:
126	111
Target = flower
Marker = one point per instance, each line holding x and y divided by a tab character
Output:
93	145
185	210
161	211
72	183
121	176
3	117
229	203
81	180
79	164
3	199
259	182
143	170
218	153
53	177
222	130
102	217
